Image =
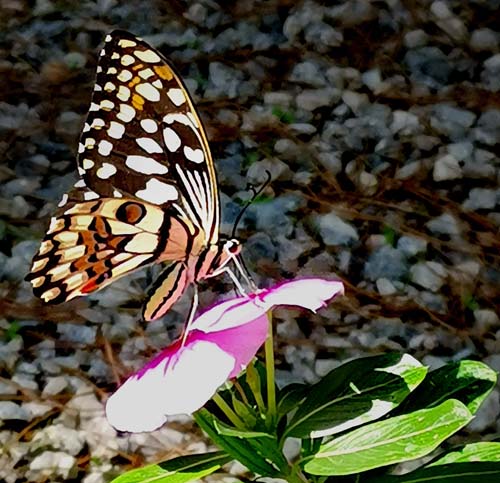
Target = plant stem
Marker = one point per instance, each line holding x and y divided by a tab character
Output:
230	414
271	392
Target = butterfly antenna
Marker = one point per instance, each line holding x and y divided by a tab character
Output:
256	193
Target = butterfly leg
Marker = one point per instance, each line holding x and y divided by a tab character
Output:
192	312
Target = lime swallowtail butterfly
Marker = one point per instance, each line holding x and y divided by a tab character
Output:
147	191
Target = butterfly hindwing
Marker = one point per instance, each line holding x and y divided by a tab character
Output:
92	243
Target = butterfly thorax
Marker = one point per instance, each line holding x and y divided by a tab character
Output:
213	260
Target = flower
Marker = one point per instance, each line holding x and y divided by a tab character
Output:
218	345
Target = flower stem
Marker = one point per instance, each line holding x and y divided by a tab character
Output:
230	414
271	392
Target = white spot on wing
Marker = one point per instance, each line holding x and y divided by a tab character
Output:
80	184
149	125
87	164
64	200
106	171
116	130
125	75
104	148
109	87
146	73
149	145
176	96
148	91
157	192
123	93
117	194
98	123
127	113
86	127
126	43
145	165
81	148
107	105
147	56
194	155
172	140
112	70
90	195
127	60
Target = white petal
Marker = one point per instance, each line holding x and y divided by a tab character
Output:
179	383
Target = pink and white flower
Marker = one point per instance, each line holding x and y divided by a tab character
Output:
218	346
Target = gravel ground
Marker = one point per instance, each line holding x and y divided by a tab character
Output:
380	124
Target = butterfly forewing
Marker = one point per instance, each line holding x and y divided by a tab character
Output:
147	191
143	138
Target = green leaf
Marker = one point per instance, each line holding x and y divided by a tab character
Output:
290	397
177	470
259	454
467	381
480	472
226	430
284	116
487	451
356	393
397	439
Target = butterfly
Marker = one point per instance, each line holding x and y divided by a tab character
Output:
147	191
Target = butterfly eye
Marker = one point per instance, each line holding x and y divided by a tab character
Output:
233	247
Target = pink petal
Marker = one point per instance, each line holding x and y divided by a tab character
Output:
219	345
309	293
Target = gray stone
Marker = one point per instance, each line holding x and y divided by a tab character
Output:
448	21
354	100
223	81
309	73
430	275
488	127
452	121
55	385
415	38
311	99
10	410
490	76
372	79
408	170
386	262
331	161
278	98
303	128
59	437
385	287
484	39
486	320
323	36
429	66
259	249
412	245
446	167
405	123
461	151
481	199
445	224
487	415
335	231
50	464
80	334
